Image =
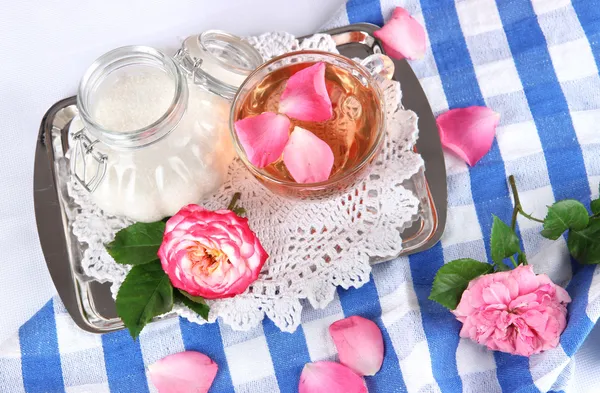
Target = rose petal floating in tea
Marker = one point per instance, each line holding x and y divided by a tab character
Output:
307	158
187	371
359	344
468	132
329	377
263	137
402	36
305	95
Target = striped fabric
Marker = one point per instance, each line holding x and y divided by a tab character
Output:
535	62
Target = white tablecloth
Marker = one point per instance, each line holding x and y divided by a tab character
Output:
44	49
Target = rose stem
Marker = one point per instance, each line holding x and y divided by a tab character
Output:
234	200
518	208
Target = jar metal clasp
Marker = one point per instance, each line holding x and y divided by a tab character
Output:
84	148
192	66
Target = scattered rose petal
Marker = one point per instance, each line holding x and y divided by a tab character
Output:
305	96
402	36
187	371
329	377
468	132
307	158
359	344
263	137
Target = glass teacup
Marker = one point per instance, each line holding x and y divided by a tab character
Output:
355	133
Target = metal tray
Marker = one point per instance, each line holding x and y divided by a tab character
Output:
90	303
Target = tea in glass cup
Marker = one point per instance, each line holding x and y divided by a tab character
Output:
354	132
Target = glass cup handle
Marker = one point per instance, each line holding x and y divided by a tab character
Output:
379	65
84	148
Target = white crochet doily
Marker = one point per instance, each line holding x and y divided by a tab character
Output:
313	247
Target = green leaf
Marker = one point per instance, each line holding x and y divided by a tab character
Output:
452	280
137	244
194	303
584	245
145	294
595	206
501	267
522	258
563	215
504	241
240	211
196	299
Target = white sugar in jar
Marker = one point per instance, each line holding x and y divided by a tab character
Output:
155	129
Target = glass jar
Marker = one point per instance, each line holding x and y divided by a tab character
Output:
154	129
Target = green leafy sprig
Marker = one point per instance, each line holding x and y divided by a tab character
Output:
147	292
569	215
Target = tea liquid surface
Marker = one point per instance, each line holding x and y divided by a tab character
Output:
350	132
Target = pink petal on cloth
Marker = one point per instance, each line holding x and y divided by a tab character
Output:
305	95
359	344
329	377
187	371
402	36
263	137
307	158
468	132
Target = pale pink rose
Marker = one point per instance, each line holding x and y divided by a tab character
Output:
212	254
513	311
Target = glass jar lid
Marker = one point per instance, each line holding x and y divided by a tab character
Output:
218	61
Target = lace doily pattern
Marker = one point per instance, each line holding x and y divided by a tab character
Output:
314	247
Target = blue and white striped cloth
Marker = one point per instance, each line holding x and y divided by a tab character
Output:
535	62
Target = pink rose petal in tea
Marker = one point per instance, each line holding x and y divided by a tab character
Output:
359	344
468	132
263	137
187	371
329	377
307	158
402	36
305	95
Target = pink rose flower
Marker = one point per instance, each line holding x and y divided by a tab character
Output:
212	254
513	311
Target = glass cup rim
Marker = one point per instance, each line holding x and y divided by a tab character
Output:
344	174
